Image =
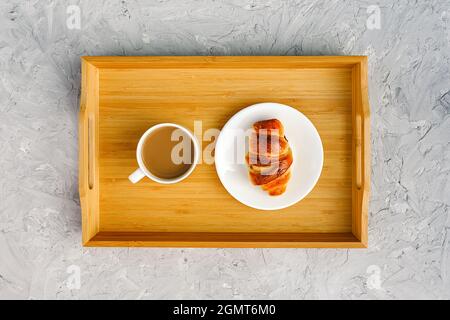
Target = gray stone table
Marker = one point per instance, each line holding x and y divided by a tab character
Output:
408	44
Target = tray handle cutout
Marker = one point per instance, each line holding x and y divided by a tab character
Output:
358	149
91	150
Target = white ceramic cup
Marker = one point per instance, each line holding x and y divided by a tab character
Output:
142	171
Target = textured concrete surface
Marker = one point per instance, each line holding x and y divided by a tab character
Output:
40	252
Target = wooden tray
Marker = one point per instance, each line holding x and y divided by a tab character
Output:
123	96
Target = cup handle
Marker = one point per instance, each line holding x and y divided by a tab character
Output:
136	175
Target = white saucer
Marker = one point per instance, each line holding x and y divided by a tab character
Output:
304	141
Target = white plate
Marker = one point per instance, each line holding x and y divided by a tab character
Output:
304	141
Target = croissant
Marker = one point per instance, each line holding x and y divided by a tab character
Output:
270	157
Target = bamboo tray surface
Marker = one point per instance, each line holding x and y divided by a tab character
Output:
123	96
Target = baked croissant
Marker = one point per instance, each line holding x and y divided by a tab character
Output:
269	158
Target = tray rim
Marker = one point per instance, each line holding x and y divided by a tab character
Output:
89	177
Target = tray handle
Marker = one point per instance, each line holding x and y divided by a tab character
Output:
87	148
88	127
358	148
361	147
91	151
